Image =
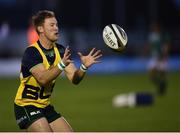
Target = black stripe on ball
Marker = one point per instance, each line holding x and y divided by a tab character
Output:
118	40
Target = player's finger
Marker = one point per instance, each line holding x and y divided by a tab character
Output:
67	51
98	56
66	48
97	52
90	53
68	56
97	61
70	61
80	54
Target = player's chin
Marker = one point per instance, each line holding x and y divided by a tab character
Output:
54	39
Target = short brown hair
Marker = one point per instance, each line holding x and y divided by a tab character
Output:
40	16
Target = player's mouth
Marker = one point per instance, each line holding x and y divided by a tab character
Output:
57	33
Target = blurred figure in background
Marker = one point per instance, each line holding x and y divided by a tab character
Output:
4	30
158	46
4	33
133	99
32	35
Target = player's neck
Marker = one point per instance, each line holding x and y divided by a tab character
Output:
47	44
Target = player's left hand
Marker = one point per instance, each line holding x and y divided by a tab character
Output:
91	58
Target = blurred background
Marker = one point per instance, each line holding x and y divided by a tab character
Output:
88	106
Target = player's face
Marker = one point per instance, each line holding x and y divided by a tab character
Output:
50	28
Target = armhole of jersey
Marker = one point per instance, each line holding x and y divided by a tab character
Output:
30	70
34	67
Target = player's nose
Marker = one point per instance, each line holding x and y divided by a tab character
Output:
56	28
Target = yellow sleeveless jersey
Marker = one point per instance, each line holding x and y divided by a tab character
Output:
30	92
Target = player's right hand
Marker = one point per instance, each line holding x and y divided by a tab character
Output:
66	58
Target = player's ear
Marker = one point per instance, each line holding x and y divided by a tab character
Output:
40	29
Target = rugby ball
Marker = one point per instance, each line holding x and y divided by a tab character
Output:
115	37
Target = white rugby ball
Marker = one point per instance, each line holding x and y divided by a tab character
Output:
115	37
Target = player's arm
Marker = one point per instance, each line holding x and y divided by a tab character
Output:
44	76
76	75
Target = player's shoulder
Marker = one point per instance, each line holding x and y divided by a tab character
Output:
31	49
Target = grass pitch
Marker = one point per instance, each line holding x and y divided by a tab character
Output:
88	106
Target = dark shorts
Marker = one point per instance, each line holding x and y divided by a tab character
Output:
26	115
